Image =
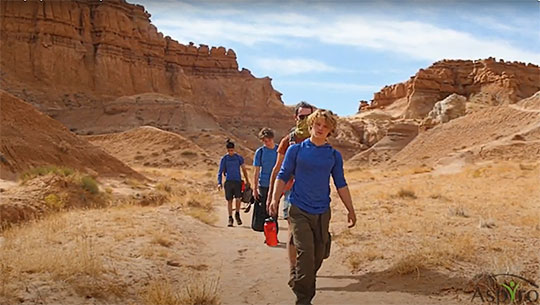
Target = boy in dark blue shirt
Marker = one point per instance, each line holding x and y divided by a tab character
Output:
263	162
312	162
230	165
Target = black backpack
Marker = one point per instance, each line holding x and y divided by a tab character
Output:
259	215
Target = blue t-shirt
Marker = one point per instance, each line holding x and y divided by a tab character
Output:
266	159
230	165
312	166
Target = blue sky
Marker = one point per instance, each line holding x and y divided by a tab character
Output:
335	53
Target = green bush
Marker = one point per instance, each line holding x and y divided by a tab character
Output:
88	183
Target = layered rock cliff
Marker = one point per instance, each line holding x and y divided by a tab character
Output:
67	55
485	81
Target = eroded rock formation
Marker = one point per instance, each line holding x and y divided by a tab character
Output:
448	109
66	56
485	81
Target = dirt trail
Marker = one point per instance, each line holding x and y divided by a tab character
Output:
253	273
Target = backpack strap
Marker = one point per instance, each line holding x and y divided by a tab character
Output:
292	137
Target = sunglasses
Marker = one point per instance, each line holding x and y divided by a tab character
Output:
302	116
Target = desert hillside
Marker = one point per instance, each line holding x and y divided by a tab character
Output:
150	146
507	132
32	139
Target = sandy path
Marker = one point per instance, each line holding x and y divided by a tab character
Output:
253	273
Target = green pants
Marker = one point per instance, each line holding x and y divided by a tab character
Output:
312	240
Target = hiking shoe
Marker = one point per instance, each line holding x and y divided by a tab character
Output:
238	220
230	222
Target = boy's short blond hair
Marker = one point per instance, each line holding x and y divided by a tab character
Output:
328	116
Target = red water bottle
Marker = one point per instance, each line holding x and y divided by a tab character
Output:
270	232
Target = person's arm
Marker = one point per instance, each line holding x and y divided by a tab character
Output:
273	176
345	196
343	190
220	173
285	173
246	177
256	182
257	164
276	196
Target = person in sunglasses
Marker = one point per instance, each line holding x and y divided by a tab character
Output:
298	134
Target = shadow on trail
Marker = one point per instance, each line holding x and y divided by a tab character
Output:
425	282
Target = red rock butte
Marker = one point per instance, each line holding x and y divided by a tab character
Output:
65	56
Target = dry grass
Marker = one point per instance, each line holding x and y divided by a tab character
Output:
359	258
162	238
77	261
406	194
199	206
45	170
106	254
200	290
458	211
79	257
451	223
434	254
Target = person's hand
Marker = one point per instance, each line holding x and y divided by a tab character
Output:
219	187
273	208
351	218
256	193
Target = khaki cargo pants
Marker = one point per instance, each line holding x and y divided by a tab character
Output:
312	240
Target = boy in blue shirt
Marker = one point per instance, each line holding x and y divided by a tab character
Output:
230	165
312	162
263	161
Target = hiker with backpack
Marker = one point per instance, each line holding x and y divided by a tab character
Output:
230	165
298	134
263	162
312	162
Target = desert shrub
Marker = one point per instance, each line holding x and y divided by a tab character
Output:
406	193
89	184
164	187
54	201
46	169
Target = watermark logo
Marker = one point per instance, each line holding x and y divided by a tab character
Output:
506	289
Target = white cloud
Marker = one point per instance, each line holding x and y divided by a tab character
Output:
292	66
333	86
418	40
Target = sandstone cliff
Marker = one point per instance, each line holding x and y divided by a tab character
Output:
485	81
66	56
